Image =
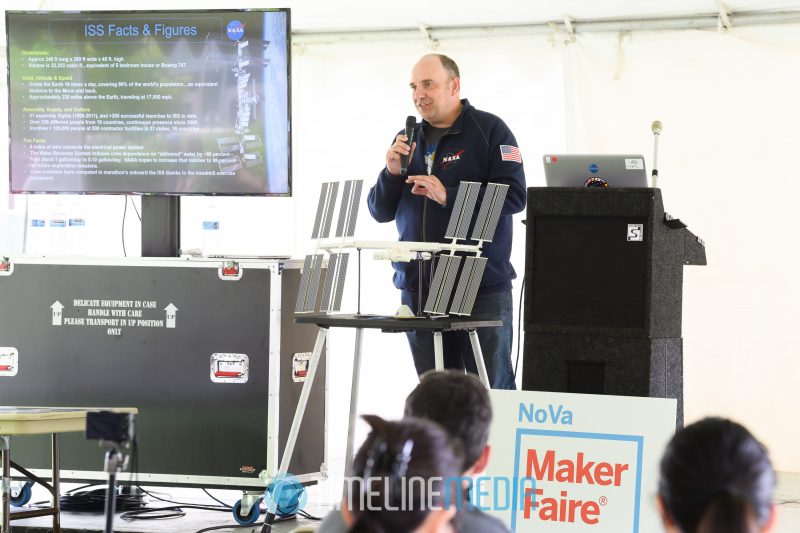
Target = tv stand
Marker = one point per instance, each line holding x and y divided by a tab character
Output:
161	226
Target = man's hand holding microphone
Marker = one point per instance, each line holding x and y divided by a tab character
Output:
397	160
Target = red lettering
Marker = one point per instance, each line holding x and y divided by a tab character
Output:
574	504
566	471
548	510
544	466
584	470
590	513
538	470
602	474
530	502
569	471
618	474
563	509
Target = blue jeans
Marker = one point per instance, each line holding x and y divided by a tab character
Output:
495	342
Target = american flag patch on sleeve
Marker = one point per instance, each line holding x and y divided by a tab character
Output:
510	153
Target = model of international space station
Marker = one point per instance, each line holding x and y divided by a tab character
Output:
441	297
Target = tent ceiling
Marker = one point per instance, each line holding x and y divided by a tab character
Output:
317	15
343	15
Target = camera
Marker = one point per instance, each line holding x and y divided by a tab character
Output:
109	426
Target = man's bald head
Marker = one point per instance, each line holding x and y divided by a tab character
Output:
447	63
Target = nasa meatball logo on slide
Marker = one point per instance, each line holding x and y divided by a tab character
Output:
235	30
575	462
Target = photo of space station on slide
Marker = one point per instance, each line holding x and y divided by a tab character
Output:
159	102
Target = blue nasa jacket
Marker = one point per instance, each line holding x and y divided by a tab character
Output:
469	151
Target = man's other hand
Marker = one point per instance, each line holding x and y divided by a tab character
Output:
429	186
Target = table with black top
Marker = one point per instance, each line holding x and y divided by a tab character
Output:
388	324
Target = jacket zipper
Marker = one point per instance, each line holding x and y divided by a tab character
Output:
425	280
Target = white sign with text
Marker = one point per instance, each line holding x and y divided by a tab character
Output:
575	462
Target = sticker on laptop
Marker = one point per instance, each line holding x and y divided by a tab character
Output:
634	164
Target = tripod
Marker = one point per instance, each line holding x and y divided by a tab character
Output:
116	461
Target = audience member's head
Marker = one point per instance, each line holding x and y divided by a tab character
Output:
403	470
459	403
716	478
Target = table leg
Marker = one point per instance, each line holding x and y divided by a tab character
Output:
476	351
438	351
288	451
5	482
56	450
351	426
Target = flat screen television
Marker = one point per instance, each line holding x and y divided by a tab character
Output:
156	102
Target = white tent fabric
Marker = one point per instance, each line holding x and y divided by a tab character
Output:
728	106
316	15
727	100
313	15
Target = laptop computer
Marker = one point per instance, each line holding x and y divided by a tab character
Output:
581	170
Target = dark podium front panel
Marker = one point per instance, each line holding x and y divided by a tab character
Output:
593	275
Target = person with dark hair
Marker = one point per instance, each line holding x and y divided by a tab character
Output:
460	404
716	478
454	142
402	472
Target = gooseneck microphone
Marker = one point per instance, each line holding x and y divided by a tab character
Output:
411	123
655	127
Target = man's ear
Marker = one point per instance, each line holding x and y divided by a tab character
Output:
456	87
347	515
483	460
669	523
772	520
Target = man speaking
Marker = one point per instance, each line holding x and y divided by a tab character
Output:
454	142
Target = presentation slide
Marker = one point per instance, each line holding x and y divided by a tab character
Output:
150	102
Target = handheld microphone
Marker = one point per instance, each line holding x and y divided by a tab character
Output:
411	123
655	127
